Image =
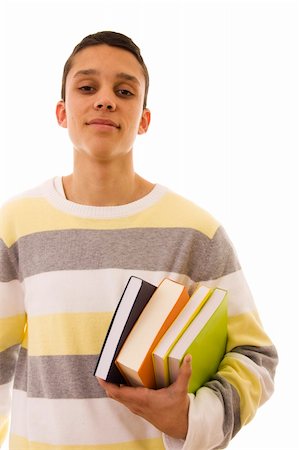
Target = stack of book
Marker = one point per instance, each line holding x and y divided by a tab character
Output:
154	327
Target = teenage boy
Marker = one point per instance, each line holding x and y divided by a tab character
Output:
67	249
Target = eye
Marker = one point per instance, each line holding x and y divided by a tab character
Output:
124	93
87	89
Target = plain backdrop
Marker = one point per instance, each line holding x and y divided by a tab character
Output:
224	133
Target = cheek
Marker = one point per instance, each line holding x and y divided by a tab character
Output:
133	129
74	106
73	127
136	118
73	114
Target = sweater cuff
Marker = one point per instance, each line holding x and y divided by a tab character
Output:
172	443
205	423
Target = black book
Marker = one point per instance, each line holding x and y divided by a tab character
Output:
135	296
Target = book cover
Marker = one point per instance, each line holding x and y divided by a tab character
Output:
174	332
135	358
132	302
205	339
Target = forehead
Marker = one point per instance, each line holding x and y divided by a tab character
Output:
106	60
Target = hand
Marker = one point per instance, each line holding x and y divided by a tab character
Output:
166	408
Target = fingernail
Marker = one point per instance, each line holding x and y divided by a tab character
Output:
188	359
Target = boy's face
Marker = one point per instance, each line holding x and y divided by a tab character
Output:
103	108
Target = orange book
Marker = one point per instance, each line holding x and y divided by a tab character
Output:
134	360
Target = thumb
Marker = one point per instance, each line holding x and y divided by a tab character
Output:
185	372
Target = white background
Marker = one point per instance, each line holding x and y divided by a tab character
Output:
224	132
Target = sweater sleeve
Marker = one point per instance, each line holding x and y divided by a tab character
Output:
245	377
12	319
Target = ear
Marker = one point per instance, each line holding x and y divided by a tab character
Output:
61	114
145	121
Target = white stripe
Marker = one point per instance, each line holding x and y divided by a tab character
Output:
100	290
34	192
240	299
11	298
80	422
5	396
83	290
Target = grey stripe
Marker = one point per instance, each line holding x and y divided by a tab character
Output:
8	359
179	250
48	376
8	262
229	397
266	357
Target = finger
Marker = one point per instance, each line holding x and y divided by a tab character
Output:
122	393
110	389
104	385
185	372
102	382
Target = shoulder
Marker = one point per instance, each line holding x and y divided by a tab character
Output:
18	209
207	237
175	210
32	193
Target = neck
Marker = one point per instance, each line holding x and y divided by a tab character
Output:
105	184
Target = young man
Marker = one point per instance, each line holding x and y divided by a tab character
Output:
67	249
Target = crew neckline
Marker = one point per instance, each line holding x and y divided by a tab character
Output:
54	191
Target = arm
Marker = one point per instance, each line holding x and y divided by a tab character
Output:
12	323
243	382
245	378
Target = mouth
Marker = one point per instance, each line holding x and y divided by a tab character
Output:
103	123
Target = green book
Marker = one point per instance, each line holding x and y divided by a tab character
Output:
205	339
174	332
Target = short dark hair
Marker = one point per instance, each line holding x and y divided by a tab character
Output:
114	40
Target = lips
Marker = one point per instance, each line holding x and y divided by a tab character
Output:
104	122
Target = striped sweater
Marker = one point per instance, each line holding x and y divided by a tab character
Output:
63	267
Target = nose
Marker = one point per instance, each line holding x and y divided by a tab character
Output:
105	103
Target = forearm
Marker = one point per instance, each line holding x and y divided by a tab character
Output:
244	381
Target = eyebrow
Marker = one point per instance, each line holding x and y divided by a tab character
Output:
120	75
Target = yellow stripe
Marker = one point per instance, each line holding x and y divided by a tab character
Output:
18	442
38	215
67	334
11	331
247	385
176	212
4	424
246	329
25	338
